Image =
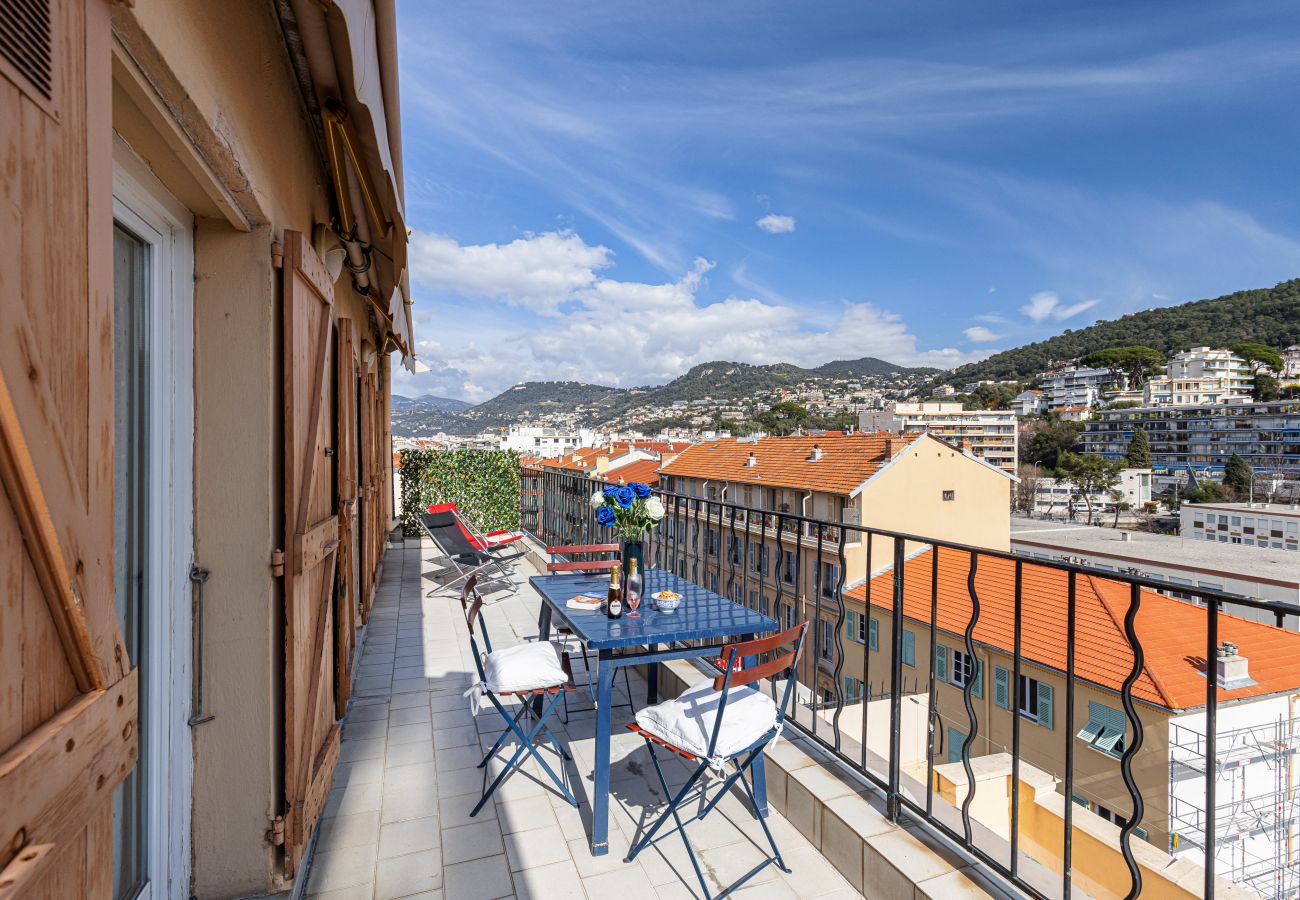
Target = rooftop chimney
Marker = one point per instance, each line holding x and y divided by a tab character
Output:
1230	668
751	461
1126	535
816	453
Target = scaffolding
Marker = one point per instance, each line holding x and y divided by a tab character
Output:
1257	808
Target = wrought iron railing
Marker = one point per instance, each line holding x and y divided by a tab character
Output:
793	567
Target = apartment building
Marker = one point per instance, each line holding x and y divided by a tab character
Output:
1220	365
1029	403
1267	574
1062	498
911	483
1075	386
1261	525
1259	687
1200	439
545	441
1291	363
204	286
990	435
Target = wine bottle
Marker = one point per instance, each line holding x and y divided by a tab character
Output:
614	603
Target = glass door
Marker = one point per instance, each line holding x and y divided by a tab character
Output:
131	261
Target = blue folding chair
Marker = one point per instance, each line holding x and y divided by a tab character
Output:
527	740
693	727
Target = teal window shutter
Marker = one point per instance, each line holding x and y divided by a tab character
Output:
909	647
851	626
1001	692
1045	705
875	644
941	662
977	689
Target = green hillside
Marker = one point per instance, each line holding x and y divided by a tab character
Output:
1266	315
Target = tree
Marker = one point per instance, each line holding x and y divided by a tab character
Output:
1261	357
783	418
1042	441
1133	364
1031	476
1090	475
991	396
1120	504
1237	476
1138	455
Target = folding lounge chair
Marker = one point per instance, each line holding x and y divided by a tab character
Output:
713	725
447	535
532	671
488	542
609	557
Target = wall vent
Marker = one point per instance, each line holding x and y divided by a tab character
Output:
26	44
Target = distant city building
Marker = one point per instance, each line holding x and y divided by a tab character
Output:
1075	387
990	435
1262	525
1197	441
1029	403
1061	498
1204	362
545	441
1190	392
1291	362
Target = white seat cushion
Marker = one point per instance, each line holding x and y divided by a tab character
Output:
524	667
687	721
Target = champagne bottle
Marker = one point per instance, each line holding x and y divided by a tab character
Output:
614	603
633	583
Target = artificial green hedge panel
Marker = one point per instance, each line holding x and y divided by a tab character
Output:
484	485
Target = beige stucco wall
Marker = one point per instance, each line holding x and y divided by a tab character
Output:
230	59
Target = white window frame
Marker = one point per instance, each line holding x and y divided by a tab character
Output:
961	668
143	206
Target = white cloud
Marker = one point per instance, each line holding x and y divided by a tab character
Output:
1046	305
774	224
537	271
980	335
578	324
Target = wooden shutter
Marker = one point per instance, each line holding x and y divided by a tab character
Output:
312	537
1001	687
345	466
68	723
1045	704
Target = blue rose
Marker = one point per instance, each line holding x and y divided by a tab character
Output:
641	490
605	516
610	489
624	496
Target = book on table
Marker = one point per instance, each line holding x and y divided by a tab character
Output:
584	601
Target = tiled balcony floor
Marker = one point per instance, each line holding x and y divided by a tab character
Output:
397	822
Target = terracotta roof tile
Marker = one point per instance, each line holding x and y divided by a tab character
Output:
1172	632
645	471
847	460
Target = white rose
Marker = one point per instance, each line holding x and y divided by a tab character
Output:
598	500
654	508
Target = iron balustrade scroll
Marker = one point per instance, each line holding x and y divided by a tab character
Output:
802	565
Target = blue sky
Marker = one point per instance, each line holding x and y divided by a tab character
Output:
613	192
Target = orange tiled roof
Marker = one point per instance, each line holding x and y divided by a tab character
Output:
645	471
847	461
1172	632
664	448
578	460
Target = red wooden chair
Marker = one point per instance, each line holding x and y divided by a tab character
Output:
694	727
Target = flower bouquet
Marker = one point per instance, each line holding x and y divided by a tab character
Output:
629	509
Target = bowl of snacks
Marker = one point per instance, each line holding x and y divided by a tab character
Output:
666	601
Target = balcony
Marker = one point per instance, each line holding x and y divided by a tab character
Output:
997	739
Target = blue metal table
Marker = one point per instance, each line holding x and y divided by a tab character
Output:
703	615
